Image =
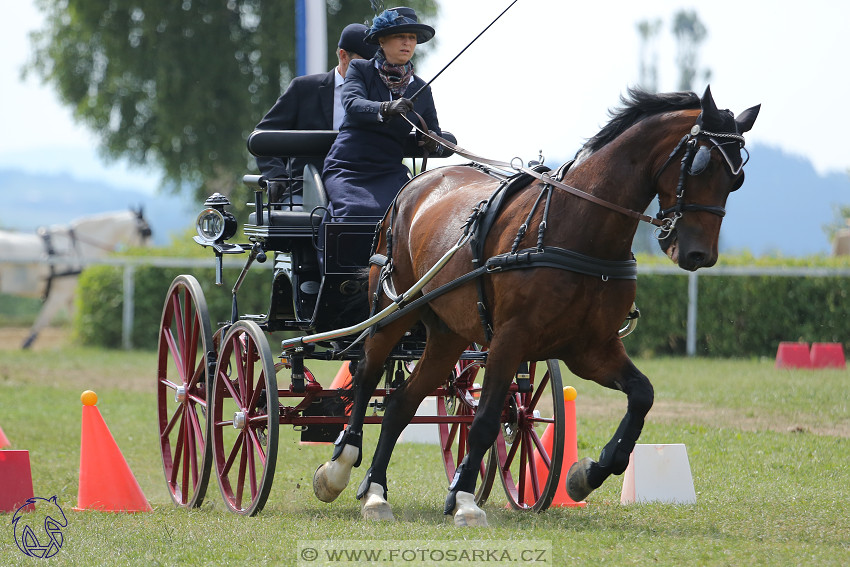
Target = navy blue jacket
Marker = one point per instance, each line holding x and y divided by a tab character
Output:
307	104
364	171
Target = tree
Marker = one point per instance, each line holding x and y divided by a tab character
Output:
648	31
690	33
179	84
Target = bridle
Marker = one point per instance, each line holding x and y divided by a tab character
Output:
695	161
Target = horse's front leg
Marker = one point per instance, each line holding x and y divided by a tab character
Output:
499	371
587	475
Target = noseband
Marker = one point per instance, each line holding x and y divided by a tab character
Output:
694	162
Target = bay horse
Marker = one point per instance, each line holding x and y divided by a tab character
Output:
677	146
67	248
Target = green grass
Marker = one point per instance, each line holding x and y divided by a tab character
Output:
768	451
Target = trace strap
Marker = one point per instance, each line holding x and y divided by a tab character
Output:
541	176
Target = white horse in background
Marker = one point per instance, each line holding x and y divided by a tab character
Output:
47	264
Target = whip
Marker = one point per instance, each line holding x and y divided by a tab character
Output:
462	50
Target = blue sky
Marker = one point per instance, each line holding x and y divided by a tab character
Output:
542	77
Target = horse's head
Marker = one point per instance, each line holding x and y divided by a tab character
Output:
712	160
143	229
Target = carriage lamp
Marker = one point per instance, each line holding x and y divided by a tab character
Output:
214	224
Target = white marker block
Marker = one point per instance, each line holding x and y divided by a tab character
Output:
658	473
423	432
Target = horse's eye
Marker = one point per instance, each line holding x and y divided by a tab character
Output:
700	161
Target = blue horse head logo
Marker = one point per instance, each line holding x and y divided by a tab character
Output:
37	538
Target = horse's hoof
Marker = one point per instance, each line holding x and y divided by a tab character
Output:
578	486
373	505
467	513
331	478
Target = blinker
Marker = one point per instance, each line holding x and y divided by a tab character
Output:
700	161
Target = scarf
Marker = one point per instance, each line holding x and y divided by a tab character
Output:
396	77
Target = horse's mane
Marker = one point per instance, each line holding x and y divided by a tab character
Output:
635	106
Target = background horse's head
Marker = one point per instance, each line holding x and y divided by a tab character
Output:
143	229
709	163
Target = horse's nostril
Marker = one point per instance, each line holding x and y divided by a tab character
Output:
696	259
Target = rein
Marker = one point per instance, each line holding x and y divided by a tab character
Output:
544	177
665	224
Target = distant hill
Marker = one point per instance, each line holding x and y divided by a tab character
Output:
781	208
783	205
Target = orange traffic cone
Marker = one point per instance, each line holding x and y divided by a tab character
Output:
4	441
106	482
16	480
342	380
561	498
343	377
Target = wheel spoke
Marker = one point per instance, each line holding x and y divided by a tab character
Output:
187	458
174	351
541	450
233	393
255	441
532	468
196	425
240	370
172	422
232	457
178	319
252	466
178	452
240	477
537	393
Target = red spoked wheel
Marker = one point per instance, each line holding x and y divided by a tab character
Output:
245	418
185	355
530	447
461	399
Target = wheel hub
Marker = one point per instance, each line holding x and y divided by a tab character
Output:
180	395
239	420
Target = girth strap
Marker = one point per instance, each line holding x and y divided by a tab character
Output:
549	257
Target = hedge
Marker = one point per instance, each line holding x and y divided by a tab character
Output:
99	301
740	316
737	316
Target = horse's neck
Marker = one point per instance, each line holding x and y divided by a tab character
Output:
98	236
621	172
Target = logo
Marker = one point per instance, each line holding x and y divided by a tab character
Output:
39	533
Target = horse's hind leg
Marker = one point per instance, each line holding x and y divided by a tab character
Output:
61	295
442	351
331	478
587	475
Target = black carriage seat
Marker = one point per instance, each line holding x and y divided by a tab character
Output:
306	215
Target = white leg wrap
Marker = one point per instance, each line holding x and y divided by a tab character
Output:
466	512
332	477
373	506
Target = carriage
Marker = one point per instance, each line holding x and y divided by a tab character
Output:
534	264
223	395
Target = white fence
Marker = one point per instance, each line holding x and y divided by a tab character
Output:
129	266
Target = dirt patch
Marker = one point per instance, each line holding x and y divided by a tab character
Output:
708	416
11	338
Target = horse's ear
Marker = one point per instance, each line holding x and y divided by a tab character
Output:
747	118
707	102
